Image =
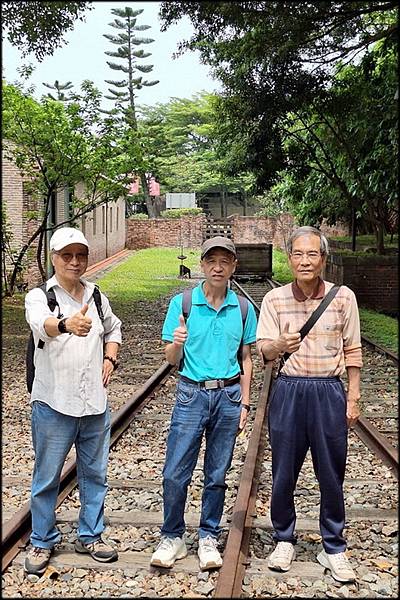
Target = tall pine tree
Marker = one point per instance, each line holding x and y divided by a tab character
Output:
123	92
60	88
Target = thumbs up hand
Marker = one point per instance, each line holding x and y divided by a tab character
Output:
288	342
79	324
181	332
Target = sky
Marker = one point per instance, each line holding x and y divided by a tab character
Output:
83	57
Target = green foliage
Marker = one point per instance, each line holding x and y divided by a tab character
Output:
60	88
341	150
39	27
177	213
280	266
298	101
57	145
380	328
181	140
128	42
139	217
368	240
146	275
124	90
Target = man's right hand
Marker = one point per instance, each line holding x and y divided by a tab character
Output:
180	333
79	324
288	342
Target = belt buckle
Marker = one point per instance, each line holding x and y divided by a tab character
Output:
212	384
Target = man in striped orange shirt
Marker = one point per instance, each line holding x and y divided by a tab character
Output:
309	407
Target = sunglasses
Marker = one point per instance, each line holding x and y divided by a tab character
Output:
68	256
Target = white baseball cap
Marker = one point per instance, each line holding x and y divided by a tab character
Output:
66	236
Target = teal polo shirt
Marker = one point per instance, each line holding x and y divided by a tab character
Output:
213	335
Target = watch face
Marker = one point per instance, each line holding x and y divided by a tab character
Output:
61	326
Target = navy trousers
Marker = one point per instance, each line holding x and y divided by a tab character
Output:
308	412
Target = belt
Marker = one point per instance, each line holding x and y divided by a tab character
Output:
213	384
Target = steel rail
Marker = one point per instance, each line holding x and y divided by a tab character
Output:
378	444
236	550
17	530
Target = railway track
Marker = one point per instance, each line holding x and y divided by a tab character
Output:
134	510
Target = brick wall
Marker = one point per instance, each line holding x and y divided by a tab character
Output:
149	233
374	279
169	232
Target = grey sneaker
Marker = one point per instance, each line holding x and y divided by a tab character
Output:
98	550
338	564
37	560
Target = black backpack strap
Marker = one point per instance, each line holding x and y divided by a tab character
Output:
51	298
313	319
52	303
244	308
186	307
97	301
30	351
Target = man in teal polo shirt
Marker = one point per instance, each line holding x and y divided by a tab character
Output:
212	398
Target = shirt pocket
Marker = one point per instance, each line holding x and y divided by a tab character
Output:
330	337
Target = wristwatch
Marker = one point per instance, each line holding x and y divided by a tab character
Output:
114	361
61	325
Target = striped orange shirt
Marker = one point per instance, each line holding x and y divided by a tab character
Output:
333	343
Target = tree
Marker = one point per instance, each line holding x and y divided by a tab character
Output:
181	141
273	58
341	150
39	27
124	91
56	145
277	63
60	88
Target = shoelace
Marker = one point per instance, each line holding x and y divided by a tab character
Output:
209	544
284	549
37	551
165	544
342	560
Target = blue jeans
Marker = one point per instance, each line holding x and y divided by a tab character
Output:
53	435
197	410
308	413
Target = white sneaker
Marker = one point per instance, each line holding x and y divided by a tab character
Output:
282	557
208	553
168	551
338	564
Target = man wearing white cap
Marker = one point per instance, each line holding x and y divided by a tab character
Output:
75	355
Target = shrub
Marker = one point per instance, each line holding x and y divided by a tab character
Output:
139	216
177	213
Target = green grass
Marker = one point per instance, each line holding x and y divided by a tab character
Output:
368	240
380	328
280	267
147	275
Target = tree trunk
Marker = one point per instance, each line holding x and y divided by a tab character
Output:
380	239
39	256
147	198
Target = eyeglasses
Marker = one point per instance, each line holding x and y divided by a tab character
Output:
68	256
312	255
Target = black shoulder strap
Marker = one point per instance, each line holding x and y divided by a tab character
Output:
51	298
186	306
244	307
186	302
97	301
314	317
